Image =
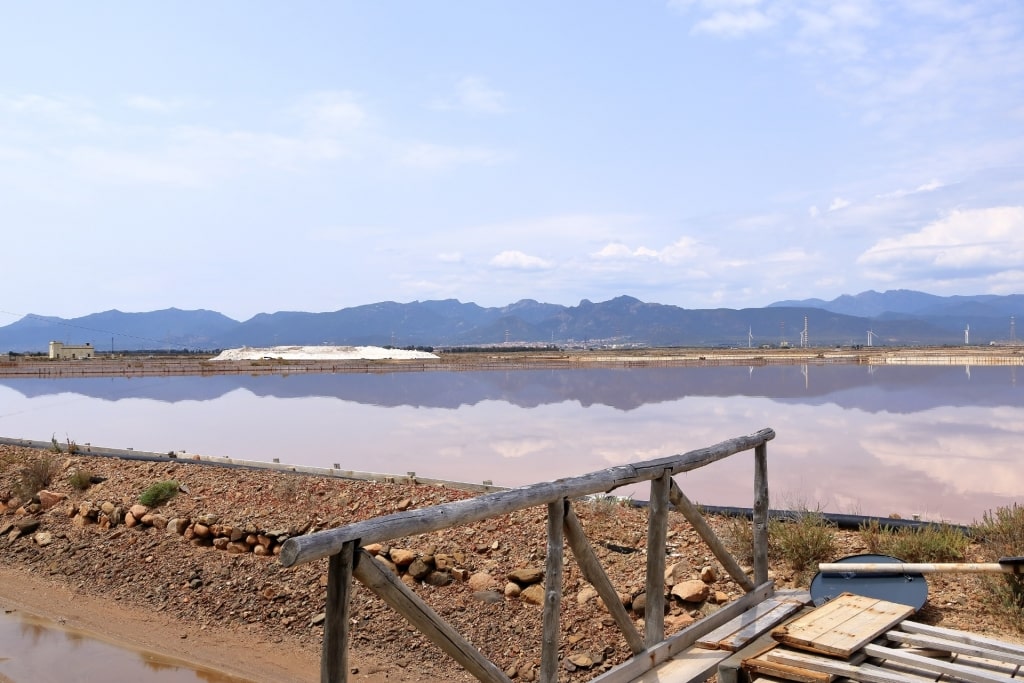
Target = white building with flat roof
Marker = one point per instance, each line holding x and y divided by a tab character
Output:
61	351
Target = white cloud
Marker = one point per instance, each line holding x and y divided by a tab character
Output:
450	257
333	111
838	203
517	260
734	24
969	242
814	212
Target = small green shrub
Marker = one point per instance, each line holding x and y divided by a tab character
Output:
926	543
1001	534
55	445
80	480
36	475
159	493
802	540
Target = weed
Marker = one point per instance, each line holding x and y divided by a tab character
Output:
80	480
36	475
159	493
1001	534
55	445
738	537
803	539
72	446
926	543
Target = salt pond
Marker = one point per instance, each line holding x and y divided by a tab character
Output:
941	442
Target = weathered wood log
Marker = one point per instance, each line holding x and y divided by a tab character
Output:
657	533
760	512
697	521
418	613
334	653
594	573
552	592
411	522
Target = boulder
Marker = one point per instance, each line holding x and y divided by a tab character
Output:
526	576
693	590
533	594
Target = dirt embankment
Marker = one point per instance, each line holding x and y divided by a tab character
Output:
248	615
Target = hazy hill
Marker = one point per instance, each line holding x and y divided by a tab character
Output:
900	317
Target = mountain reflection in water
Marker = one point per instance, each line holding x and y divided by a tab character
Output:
937	441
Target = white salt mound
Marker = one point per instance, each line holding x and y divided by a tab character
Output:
322	353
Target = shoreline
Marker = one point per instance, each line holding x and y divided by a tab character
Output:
502	360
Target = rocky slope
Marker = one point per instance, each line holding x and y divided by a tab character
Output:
207	559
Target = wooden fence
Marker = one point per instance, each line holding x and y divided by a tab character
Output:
348	560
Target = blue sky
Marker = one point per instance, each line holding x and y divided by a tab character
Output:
252	157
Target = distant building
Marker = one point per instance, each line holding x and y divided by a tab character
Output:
60	351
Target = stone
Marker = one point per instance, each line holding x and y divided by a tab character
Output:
492	597
387	563
678	621
585	595
261	551
318	619
26	526
157	521
513	589
526	575
404	504
49	499
373	548
418	569
720	598
207	520
438	579
130	520
533	594
708	574
402	557
443	561
582	660
481	581
221	543
680	571
200	530
43	539
238	548
639	605
138	510
107	507
693	590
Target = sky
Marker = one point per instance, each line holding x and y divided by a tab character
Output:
250	157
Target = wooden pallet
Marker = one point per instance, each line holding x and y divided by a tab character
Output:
843	625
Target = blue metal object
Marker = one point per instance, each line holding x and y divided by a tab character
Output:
898	587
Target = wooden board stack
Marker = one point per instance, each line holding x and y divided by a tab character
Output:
865	639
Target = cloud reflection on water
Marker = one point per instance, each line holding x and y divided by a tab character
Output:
850	438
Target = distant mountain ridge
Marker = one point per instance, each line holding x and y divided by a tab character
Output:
899	317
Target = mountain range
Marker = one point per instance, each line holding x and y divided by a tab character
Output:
896	317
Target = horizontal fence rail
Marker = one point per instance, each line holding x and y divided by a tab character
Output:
330	541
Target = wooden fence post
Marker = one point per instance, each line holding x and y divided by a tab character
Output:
334	652
657	534
553	592
760	513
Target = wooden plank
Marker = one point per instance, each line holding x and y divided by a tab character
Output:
862	627
696	665
334	649
966	673
418	613
701	526
552	593
962	637
594	573
836	667
670	647
657	535
761	664
752	630
843	625
764	615
759	513
424	520
945	645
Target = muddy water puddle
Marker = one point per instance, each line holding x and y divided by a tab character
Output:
36	650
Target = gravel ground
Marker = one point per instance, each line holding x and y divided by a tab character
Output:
195	588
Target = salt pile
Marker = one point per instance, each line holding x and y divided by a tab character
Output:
322	353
